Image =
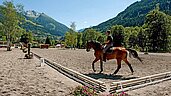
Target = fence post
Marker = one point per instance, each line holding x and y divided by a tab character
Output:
42	61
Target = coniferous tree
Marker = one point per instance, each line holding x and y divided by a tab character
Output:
48	41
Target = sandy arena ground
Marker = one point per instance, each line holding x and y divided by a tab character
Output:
24	77
80	60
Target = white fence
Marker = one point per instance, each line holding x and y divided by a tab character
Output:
83	79
127	85
100	86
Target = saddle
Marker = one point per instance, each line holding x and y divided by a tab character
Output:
111	50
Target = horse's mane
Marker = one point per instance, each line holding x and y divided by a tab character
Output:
97	44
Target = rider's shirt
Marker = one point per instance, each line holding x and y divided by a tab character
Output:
110	39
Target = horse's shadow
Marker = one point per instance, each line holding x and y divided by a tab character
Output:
109	76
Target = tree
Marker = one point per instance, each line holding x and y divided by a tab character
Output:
101	38
30	36
79	40
72	36
48	41
24	38
131	38
15	36
142	39
158	28
68	39
1	29
92	34
10	20
118	35
89	34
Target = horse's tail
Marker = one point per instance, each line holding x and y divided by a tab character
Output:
134	54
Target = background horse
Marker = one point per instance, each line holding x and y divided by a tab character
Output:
118	53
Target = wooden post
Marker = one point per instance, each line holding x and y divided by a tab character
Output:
29	46
29	55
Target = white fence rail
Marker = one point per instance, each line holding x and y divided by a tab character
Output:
83	79
100	86
127	85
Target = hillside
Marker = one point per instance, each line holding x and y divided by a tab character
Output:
134	15
40	23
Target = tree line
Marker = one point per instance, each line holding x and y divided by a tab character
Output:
154	35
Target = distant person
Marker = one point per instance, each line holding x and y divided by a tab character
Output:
108	43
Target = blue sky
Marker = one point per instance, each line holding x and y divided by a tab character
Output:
84	13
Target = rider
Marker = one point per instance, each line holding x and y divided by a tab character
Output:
108	43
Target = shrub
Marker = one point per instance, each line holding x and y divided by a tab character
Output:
84	91
90	91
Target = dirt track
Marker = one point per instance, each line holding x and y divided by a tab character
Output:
23	77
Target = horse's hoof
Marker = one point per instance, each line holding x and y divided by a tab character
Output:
132	73
113	74
100	72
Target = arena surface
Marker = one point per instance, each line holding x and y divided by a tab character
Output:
81	61
24	77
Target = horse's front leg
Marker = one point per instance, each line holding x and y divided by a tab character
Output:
93	64
101	65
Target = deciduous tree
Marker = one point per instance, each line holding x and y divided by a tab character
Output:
158	28
10	20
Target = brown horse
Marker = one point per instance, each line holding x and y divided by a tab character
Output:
118	53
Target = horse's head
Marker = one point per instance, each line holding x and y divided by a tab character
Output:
89	45
93	44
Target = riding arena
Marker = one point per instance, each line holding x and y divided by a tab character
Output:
154	69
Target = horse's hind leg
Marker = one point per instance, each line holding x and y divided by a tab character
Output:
93	64
119	66
130	67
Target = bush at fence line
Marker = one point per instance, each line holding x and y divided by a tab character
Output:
114	94
84	91
90	91
120	94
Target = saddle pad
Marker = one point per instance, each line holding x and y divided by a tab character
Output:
120	48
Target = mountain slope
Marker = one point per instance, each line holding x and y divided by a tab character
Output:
43	23
134	15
